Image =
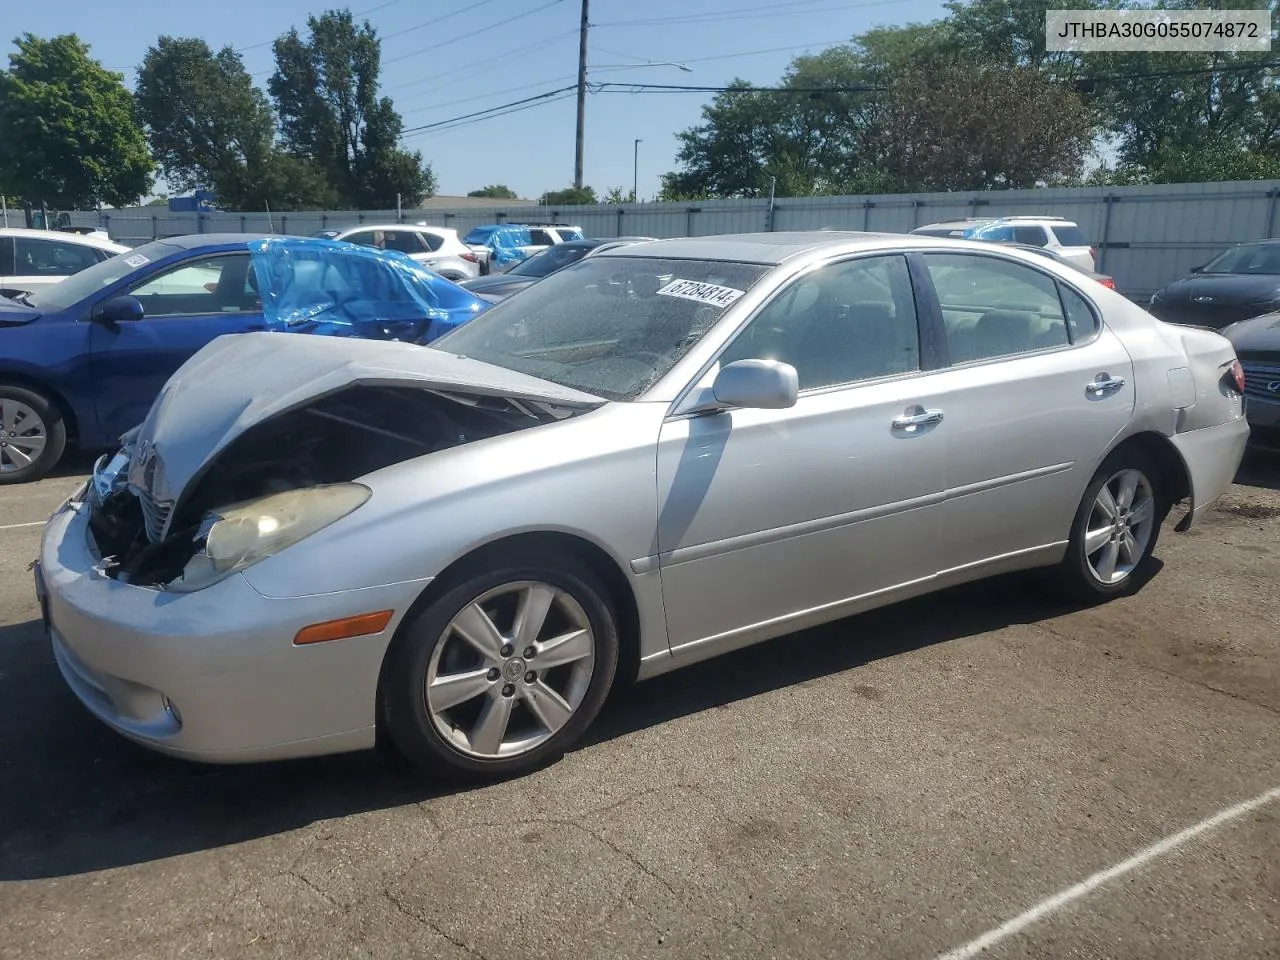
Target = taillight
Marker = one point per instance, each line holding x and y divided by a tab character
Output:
1235	376
471	257
1108	282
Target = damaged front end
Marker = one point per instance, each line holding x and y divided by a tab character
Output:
279	480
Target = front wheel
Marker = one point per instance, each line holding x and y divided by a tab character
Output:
32	434
1116	526
503	672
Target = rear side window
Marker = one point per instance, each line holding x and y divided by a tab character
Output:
1034	236
50	258
432	241
1082	322
405	241
1070	236
540	238
996	308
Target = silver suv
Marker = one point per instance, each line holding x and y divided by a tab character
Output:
436	248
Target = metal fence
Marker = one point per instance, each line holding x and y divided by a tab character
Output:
1145	236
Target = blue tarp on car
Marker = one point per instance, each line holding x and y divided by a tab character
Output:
504	240
334	288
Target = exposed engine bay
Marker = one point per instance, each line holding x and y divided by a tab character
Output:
330	439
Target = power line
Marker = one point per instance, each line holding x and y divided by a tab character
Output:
481	96
362	13
466	36
467	116
465	8
471	65
747	13
448	126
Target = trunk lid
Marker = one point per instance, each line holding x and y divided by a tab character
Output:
242	380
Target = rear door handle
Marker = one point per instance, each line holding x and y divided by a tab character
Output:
911	422
1103	384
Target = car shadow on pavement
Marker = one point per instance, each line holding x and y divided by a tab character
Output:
1260	468
75	797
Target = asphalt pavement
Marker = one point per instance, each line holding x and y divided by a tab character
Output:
985	768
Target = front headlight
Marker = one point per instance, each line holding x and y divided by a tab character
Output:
239	536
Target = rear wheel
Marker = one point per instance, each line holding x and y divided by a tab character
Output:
504	671
1117	524
32	434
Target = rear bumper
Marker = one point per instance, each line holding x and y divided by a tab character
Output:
1212	456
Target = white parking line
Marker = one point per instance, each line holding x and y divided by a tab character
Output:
1089	884
20	526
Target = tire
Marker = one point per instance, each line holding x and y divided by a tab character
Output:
1128	553
33	434
448	728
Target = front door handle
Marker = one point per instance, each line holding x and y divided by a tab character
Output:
912	422
1102	385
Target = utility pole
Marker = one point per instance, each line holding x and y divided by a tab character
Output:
582	98
635	175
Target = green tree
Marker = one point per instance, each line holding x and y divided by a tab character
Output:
68	136
209	126
619	195
497	191
325	89
570	196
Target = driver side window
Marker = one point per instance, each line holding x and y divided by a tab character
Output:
204	286
842	323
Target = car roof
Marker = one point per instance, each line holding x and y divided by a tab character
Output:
86	240
191	241
763	248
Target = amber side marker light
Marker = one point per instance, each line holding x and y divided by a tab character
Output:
347	627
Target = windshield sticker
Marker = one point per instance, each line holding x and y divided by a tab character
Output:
136	260
711	293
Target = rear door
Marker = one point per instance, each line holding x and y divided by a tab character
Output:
186	305
1036	392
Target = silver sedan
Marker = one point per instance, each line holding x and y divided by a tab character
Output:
657	455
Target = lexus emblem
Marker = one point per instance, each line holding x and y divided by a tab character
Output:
1273	386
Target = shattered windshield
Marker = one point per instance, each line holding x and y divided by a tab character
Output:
611	326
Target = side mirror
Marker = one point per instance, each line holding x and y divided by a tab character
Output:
118	310
1198	269
757	384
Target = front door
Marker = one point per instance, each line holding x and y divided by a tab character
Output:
185	307
1038	390
773	519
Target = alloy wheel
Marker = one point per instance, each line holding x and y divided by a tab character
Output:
510	670
23	435
1120	525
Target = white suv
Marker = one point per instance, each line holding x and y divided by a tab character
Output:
436	248
30	259
1058	234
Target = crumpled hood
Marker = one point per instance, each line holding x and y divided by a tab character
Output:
240	380
1255	335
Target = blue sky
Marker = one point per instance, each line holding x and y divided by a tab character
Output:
519	48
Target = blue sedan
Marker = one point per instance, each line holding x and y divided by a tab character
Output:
82	360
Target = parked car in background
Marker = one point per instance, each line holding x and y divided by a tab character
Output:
30	259
1241	283
952	229
499	244
664	452
1058	234
1257	343
1102	278
517	276
82	361
436	248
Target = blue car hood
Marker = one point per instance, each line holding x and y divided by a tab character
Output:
15	314
329	287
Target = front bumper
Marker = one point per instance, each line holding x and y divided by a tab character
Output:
212	675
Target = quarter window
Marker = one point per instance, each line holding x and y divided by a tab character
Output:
839	324
1082	322
1032	236
995	308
